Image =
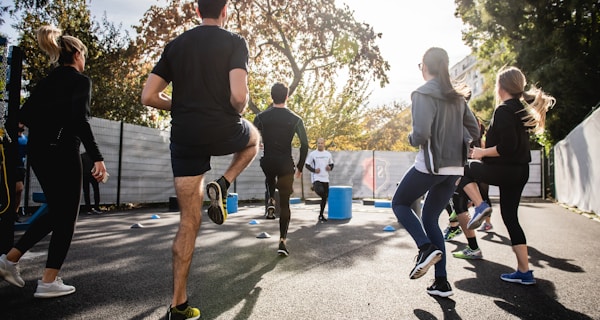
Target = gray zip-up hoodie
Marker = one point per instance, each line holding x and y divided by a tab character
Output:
441	128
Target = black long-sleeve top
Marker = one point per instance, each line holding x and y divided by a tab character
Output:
508	134
61	100
278	127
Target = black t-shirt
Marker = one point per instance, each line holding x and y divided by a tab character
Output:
278	127
508	134
197	63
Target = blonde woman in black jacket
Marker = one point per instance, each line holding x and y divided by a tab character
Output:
505	160
57	114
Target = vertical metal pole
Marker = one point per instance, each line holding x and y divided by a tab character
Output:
374	173
120	166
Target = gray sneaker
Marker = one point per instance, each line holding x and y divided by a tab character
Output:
53	289
468	253
10	272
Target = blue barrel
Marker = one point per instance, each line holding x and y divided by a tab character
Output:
340	202
232	203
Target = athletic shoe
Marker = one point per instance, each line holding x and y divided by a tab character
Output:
53	289
271	210
449	234
525	278
440	288
282	251
217	210
453	217
481	212
188	313
468	253
10	272
486	227
425	259
322	218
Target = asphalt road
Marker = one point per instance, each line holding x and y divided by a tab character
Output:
342	269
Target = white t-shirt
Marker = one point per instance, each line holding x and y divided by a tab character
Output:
319	159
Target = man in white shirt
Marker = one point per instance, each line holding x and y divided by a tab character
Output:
319	163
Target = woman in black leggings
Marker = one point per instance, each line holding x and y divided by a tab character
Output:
505	160
57	114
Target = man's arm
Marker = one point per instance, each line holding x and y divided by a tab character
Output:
238	83
153	95
301	132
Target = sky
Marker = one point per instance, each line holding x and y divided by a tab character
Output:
408	29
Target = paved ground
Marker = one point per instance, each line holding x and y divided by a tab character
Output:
344	269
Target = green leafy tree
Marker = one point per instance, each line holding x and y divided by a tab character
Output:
387	128
118	78
555	43
315	39
331	112
306	44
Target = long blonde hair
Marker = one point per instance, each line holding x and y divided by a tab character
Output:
59	48
536	101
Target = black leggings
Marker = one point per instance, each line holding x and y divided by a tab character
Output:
88	180
322	189
279	173
460	200
58	171
511	180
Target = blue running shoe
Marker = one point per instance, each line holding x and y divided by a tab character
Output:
481	212
525	278
451	233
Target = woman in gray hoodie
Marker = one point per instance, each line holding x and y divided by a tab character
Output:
443	125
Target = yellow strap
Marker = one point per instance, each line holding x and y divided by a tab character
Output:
5	177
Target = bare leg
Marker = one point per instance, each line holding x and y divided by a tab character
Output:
463	220
472	190
189	195
49	275
18	195
522	257
14	255
242	159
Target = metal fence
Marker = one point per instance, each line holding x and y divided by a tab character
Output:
138	160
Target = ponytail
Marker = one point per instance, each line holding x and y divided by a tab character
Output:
537	103
437	62
59	48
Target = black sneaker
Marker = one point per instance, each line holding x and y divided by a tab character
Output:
271	210
217	210
322	218
440	288
282	251
425	259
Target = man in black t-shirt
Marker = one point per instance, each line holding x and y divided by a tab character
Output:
207	68
278	125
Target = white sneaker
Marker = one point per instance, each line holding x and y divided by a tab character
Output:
10	272
53	289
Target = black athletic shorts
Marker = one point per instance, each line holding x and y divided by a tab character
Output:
195	160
